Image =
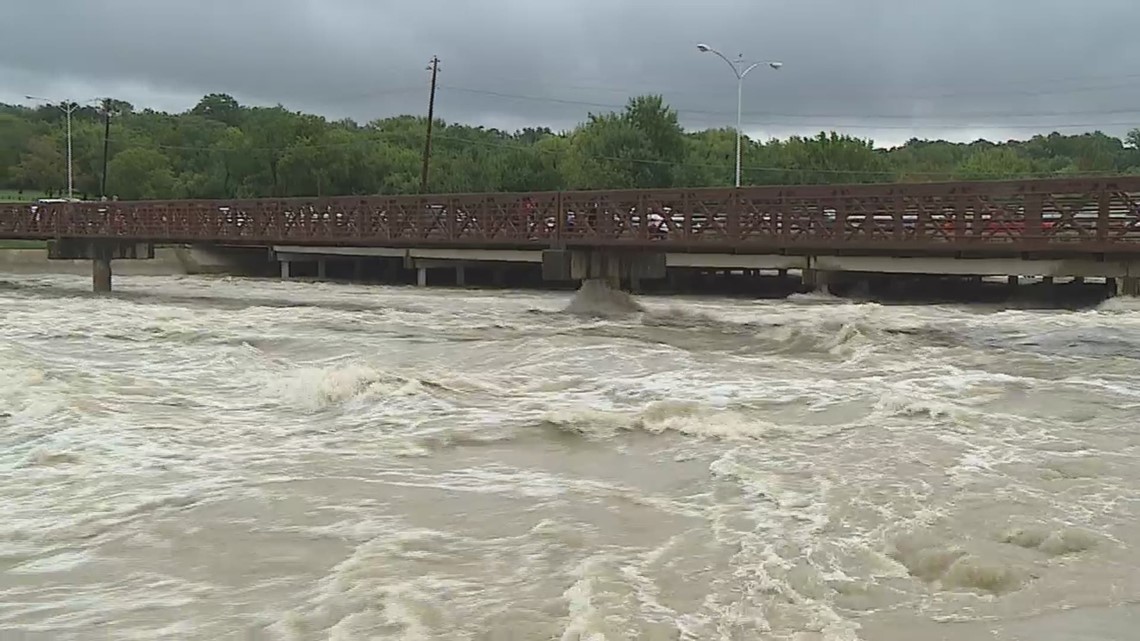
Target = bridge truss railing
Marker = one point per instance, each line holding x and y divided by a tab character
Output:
1088	214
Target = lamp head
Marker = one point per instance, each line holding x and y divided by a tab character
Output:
775	65
703	48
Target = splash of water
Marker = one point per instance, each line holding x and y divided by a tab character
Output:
596	298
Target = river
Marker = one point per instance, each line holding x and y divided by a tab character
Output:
198	458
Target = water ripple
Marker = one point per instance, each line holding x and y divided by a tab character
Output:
208	457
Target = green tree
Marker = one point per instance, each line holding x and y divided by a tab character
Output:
994	164
222	149
43	166
15	133
606	153
664	140
642	147
140	173
219	107
834	158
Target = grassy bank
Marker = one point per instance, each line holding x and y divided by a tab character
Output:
13	196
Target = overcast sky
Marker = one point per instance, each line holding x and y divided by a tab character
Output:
883	69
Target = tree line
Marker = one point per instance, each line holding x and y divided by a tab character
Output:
222	149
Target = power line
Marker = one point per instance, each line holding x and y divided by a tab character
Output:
948	122
1055	87
911	118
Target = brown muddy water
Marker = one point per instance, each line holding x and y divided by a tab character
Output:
199	458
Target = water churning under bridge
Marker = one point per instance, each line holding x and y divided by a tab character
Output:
222	459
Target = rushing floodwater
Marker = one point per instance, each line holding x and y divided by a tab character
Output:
230	459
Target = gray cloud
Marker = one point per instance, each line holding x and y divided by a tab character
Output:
886	69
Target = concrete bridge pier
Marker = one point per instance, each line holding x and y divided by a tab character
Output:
101	274
817	280
285	269
100	252
423	267
612	266
1128	286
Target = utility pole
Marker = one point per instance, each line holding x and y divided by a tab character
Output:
434	69
70	109
106	146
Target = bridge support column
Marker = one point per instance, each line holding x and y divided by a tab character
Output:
611	266
460	276
816	280
322	268
421	276
1128	286
100	253
358	270
101	274
285	265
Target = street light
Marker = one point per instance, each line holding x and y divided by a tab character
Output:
738	67
68	108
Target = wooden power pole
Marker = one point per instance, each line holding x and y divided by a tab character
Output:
434	69
106	145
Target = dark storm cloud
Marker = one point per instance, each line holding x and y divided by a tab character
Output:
888	69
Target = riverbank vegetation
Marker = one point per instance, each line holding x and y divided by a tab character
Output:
222	149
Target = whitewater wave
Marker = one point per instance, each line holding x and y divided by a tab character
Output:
1120	305
596	298
680	417
316	388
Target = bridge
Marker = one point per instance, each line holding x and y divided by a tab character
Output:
1078	227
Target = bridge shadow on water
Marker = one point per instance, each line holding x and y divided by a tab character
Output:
895	289
892	289
154	297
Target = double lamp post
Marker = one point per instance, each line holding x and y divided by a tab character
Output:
69	107
741	68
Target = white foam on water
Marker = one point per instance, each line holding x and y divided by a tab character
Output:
204	457
597	298
318	388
